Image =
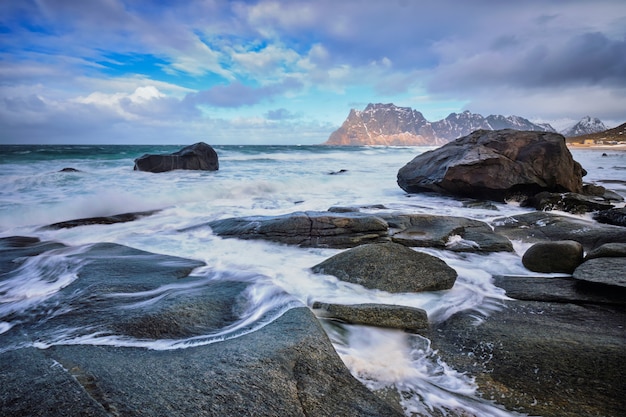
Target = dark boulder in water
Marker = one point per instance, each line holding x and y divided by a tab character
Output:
69	169
495	165
199	156
87	221
389	267
614	216
569	202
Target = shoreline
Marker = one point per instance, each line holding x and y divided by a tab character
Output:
596	147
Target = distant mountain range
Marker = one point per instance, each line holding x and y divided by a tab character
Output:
388	124
609	136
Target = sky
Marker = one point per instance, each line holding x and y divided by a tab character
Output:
289	71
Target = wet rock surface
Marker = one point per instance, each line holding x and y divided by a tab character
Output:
286	368
414	320
389	267
545	226
313	229
445	232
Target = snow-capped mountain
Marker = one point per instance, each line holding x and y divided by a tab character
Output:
586	126
387	124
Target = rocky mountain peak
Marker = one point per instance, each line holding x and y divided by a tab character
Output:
586	126
388	124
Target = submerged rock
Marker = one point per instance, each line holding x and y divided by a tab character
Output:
445	232
411	319
310	229
117	218
559	256
389	267
199	156
495	165
569	202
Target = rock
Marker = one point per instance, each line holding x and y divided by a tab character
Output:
199	156
389	267
569	202
608	250
600	191
540	226
607	272
551	359
445	232
495	165
556	290
117	218
557	256
309	229
411	319
69	169
614	216
287	367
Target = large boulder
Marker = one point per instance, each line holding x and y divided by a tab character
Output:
389	267
495	165
198	156
309	229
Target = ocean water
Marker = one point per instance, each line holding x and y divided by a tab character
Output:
253	180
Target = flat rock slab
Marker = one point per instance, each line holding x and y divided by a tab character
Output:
540	226
542	358
608	271
88	221
308	229
555	289
389	267
411	319
445	232
288	368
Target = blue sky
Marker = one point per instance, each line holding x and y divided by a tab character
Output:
289	71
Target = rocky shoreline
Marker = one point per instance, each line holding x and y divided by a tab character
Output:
554	347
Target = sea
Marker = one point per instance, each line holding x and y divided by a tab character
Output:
265	181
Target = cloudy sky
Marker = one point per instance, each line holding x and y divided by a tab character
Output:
289	71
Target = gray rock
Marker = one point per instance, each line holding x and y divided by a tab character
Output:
569	202
495	165
310	229
614	216
389	267
555	289
542	358
558	256
608	250
198	156
117	218
411	319
541	226
600	191
443	232
609	272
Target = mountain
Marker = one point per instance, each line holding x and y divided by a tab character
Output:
387	124
586	126
617	134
